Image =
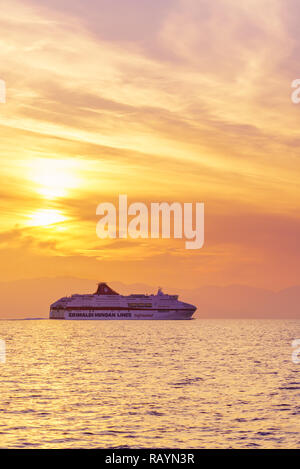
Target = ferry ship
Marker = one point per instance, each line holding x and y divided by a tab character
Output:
107	304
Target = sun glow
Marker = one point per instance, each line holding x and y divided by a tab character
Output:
54	177
46	217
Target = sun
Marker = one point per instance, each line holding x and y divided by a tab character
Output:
46	217
54	178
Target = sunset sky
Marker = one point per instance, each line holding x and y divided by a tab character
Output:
171	100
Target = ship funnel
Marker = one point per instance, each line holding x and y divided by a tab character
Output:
104	289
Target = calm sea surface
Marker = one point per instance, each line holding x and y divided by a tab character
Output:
149	384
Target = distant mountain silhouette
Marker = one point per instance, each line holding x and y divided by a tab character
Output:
32	297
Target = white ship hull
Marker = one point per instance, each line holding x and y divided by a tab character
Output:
106	304
105	315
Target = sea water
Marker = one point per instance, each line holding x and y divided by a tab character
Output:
149	384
